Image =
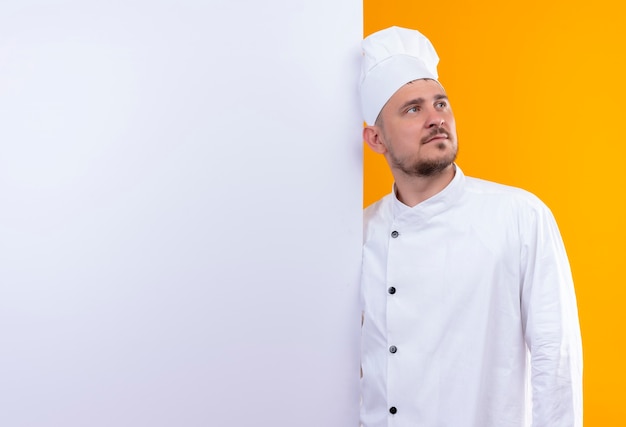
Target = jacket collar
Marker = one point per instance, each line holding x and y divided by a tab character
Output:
432	206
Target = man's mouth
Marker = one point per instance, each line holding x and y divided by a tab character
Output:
435	136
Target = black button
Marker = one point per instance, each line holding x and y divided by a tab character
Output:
393	410
391	290
394	234
393	349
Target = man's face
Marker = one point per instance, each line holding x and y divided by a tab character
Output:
418	129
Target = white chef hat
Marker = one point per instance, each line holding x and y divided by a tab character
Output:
391	58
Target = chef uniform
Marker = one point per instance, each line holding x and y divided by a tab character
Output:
469	311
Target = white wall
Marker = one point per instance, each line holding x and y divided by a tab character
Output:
180	213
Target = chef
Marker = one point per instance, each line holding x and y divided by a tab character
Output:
469	311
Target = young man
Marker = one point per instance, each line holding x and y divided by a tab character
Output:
469	312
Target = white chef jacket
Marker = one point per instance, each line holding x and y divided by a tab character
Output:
470	316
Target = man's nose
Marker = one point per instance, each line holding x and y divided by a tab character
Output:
435	120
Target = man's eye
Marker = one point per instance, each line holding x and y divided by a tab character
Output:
412	110
441	104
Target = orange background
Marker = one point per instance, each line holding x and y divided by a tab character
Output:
539	92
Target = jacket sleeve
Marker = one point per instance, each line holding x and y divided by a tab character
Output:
550	322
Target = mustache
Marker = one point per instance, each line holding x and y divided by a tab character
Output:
434	133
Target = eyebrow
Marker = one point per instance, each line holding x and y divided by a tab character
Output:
420	101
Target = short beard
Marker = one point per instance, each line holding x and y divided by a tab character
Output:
425	168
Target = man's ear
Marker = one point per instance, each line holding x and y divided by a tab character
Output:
372	136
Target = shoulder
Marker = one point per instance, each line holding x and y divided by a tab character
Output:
512	204
377	208
377	214
518	197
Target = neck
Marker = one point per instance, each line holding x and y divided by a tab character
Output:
412	190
